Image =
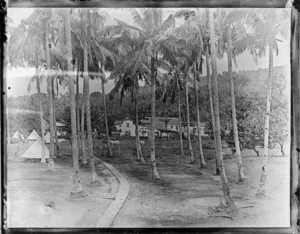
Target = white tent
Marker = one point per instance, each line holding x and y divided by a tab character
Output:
34	136
18	136
35	151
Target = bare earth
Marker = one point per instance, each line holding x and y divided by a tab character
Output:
39	198
181	198
183	195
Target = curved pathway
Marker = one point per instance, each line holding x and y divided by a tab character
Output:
115	206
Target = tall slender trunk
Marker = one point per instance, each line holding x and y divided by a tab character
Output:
77	188
88	110
201	156
154	172
211	101
139	154
261	192
106	120
78	115
241	170
82	133
54	121
188	118
226	191
179	119
43	160
49	79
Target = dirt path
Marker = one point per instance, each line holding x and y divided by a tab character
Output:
183	195
37	198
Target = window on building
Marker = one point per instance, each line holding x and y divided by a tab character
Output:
171	126
127	125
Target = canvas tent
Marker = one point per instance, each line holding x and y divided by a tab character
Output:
35	151
18	135
34	136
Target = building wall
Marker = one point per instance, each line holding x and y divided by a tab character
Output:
193	129
127	127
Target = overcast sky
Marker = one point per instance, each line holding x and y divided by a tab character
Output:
18	79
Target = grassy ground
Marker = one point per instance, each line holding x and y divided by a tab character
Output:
184	193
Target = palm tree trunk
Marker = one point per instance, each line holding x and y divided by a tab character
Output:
50	81
78	115
77	188
188	118
241	170
95	179
211	102
261	192
43	160
54	122
154	172
109	152
201	158
139	154
82	134
226	191
179	120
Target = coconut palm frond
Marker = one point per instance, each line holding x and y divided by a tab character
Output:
123	24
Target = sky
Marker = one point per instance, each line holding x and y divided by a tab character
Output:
18	79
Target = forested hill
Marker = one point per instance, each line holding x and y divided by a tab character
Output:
247	83
253	81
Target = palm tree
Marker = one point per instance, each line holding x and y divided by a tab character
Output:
152	30
192	33
50	91
103	80
82	130
37	78
82	30
226	191
87	96
77	188
139	154
241	170
234	39
99	48
172	88
192	160
179	116
78	118
129	82
25	48
202	160
55	82
267	26
206	43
